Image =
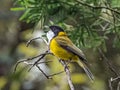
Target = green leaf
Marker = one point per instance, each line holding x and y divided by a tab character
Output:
25	14
17	9
116	42
116	3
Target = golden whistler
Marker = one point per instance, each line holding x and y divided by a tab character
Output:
63	48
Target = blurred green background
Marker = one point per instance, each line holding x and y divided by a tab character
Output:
15	33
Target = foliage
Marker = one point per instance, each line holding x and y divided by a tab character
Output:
91	20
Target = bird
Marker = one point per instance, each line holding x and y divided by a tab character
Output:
63	48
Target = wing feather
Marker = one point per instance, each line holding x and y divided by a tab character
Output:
67	44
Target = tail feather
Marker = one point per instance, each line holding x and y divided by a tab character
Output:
86	69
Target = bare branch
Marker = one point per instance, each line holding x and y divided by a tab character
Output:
111	80
48	77
29	42
118	87
24	60
108	62
110	84
114	79
42	56
56	73
37	63
68	74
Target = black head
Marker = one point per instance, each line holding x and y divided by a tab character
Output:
56	29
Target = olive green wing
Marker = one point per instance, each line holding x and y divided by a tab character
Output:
67	44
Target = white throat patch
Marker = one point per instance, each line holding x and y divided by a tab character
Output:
50	35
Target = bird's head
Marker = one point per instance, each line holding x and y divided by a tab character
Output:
55	31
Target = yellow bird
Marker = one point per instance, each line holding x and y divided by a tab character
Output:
62	47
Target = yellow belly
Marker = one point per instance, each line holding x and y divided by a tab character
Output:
59	52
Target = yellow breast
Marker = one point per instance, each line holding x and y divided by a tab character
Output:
59	52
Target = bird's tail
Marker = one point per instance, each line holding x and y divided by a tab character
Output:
86	69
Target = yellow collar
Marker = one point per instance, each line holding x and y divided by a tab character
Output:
61	34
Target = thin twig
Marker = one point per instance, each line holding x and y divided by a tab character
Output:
68	74
29	42
110	84
42	56
108	62
118	87
47	76
23	60
37	63
114	79
97	7
111	80
56	73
